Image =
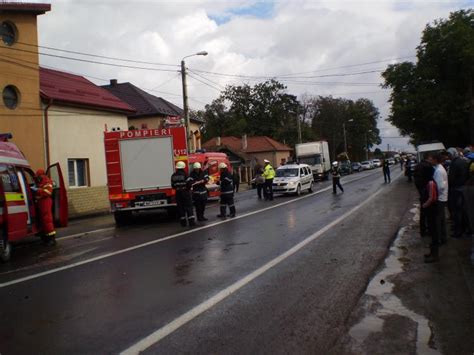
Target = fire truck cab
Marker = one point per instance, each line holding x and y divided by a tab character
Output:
210	161
18	210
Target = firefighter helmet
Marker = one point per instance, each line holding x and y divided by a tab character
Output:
334	163
197	165
180	165
222	166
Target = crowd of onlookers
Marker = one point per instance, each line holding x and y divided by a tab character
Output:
445	182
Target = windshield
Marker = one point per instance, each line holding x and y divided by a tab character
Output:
365	163
313	160
287	172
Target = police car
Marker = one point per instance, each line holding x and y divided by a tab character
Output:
293	178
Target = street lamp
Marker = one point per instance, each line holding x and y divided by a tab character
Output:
344	130
367	145
185	97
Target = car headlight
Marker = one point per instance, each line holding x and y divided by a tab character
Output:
291	183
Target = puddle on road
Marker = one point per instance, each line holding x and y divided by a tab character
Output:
381	290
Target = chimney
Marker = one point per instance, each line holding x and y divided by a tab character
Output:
113	82
244	142
218	141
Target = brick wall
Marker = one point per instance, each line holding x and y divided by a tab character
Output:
88	201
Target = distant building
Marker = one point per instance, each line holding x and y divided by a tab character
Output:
151	111
244	152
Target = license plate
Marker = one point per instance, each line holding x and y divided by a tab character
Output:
150	203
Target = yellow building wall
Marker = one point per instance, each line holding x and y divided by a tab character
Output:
19	67
274	157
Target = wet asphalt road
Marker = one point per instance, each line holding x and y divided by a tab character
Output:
96	294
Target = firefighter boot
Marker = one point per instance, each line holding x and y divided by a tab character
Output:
192	222
182	220
432	257
232	211
223	211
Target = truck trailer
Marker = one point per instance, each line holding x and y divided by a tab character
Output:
316	155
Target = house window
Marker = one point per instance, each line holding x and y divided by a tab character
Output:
11	97
8	33
78	172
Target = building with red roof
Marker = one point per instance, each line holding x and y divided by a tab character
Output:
244	152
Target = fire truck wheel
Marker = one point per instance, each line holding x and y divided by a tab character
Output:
6	253
122	218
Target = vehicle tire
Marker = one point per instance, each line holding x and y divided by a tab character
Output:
122	218
311	187
6	253
298	190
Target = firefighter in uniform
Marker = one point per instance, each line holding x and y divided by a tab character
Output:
181	182
44	200
227	192
268	174
199	181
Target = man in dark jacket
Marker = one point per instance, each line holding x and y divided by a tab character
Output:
181	182
236	177
457	177
227	192
259	179
199	180
420	182
336	177
386	171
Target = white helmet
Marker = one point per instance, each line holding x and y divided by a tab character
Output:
197	165
335	163
180	165
222	166
266	161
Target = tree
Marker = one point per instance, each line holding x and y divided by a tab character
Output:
264	109
433	99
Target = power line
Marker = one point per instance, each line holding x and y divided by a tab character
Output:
91	61
209	80
203	82
97	55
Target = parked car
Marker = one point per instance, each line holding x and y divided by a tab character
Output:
356	166
293	178
377	163
366	165
391	161
345	167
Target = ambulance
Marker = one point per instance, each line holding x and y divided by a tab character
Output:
139	168
18	210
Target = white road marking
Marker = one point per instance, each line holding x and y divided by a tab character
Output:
173	236
82	234
169	328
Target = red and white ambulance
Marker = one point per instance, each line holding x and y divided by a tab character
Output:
18	210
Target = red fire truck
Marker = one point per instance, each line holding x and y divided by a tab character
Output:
139	168
140	164
17	204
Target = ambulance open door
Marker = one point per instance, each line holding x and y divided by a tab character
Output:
60	206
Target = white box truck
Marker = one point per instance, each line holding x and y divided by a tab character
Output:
423	149
316	155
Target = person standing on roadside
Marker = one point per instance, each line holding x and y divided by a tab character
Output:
236	177
419	176
386	171
268	174
259	179
199	181
441	178
227	192
457	177
181	183
429	198
336	177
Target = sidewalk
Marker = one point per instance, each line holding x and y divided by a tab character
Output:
411	307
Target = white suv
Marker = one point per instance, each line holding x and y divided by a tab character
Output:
293	178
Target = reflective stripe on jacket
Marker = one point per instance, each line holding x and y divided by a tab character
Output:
268	172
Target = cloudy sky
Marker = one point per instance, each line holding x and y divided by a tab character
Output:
315	47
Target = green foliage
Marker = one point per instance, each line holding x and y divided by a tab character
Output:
433	99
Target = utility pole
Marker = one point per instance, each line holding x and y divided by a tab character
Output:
185	107
298	125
